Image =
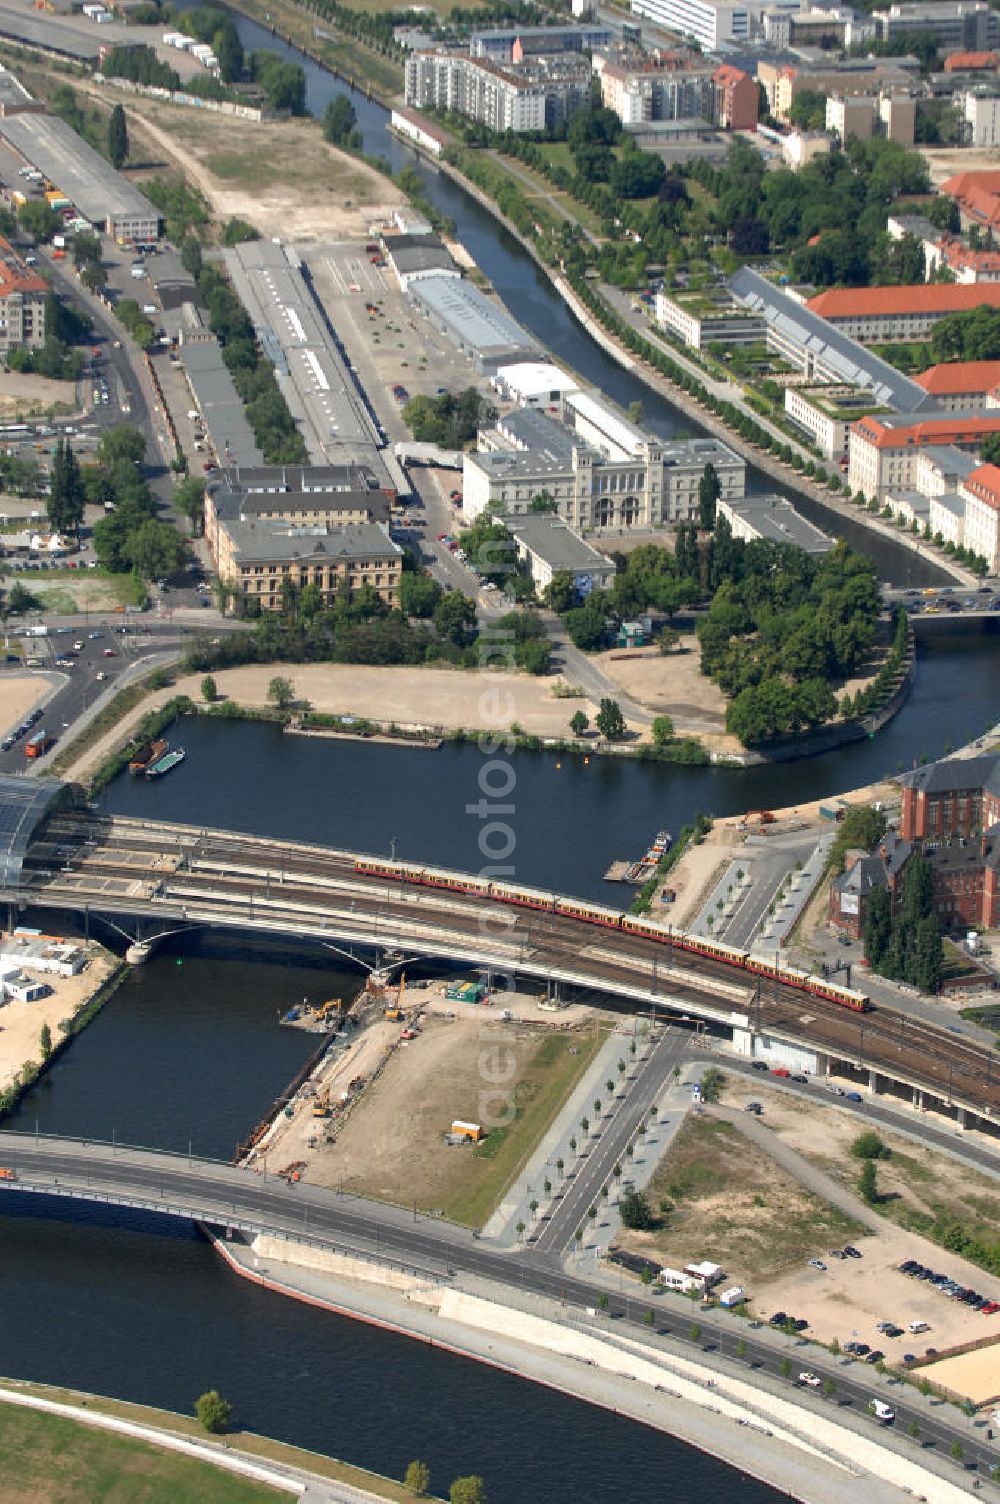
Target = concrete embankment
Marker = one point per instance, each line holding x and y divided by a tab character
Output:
748	1424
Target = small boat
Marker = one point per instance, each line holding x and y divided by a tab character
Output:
148	754
166	763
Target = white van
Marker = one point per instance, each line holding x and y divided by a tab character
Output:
881	1411
918	1326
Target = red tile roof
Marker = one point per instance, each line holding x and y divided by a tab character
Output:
985	483
956	428
965	62
870	302
978	193
958	378
14	275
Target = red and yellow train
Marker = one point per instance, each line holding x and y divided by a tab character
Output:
614	919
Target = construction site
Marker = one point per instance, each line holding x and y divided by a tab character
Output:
463	1080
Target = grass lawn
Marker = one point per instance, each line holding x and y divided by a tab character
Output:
263	1447
50	1460
545	1083
722	1198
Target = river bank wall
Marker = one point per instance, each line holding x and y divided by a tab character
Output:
797	1451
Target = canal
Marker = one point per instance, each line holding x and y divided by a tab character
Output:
527	291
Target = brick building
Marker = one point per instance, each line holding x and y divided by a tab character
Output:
951	818
957	797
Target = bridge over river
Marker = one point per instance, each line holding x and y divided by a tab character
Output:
56	853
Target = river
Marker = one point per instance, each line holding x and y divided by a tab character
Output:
189	1050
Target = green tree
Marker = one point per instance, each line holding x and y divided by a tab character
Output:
543	502
560	593
455	618
189	499
45	1041
339	119
117	137
829	1388
868	1182
418	594
39	219
281	692
213	1411
469	1490
610	721
868	1145
209	689
877	927
578	722
663	730
65	502
709	491
417	1478
636	1212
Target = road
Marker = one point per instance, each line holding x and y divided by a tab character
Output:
609	1149
214	1193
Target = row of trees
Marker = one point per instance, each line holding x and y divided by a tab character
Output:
131	538
904	941
266	409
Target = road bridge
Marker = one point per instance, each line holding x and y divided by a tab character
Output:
164	878
231	1200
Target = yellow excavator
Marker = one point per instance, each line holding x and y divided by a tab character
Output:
395	1010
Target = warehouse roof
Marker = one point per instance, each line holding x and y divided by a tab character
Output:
418	253
220	404
75	168
481	325
774	519
534	378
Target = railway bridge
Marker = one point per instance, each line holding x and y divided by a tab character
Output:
161	878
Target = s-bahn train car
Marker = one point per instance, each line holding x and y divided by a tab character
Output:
633	924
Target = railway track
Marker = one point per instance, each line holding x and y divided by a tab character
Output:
301	885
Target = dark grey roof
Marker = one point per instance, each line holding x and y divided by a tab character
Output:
534	431
24	803
874	870
955	773
265	541
558	544
418	253
275	478
239	506
854	364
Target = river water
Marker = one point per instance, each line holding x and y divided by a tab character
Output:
190	1052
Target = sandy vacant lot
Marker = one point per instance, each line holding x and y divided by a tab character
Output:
852	1296
20	1023
19	693
434	697
280	175
671	684
945	161
22	394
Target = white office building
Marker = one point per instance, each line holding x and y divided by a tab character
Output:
713	24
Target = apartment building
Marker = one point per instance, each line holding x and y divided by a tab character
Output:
981	494
513	44
22	303
980	109
883	451
882	314
851	115
783	82
712	23
260	559
532	95
737	101
944	249
667	88
978	197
